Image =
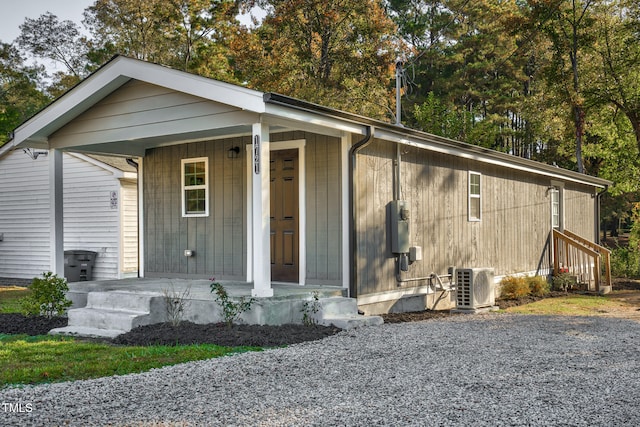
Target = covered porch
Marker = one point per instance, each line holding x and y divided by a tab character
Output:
175	126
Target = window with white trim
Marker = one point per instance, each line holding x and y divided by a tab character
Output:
195	187
555	208
475	196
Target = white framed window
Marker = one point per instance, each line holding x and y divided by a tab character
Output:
195	187
556	194
475	195
555	208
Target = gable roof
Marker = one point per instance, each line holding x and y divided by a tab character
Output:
111	76
276	109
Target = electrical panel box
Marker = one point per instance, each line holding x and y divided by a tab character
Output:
399	227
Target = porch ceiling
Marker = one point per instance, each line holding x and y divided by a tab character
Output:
137	147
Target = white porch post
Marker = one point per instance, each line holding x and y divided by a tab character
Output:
141	240
56	212
261	212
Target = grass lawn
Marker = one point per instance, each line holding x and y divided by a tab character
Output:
570	305
9	296
41	359
31	360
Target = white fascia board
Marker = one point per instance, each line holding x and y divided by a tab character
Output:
298	118
91	90
487	158
117	173
35	131
6	149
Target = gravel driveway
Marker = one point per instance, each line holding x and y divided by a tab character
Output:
488	370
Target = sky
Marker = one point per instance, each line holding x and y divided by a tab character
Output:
14	12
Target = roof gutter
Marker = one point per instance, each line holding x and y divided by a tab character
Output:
353	241
423	140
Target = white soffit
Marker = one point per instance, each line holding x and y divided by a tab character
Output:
308	120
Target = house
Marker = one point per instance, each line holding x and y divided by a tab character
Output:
262	188
100	214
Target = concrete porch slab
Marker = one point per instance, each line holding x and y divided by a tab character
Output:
200	288
117	306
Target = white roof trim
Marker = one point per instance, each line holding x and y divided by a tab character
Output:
35	131
113	170
297	118
277	110
493	160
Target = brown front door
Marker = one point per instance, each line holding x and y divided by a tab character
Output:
284	215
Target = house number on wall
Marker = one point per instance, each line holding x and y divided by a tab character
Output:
256	155
114	199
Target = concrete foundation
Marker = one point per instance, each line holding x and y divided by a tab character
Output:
440	300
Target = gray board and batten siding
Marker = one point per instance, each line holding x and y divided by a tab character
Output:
511	237
219	240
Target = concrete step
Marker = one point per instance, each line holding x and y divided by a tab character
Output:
84	331
117	300
100	318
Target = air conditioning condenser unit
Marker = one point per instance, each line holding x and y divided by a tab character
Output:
475	288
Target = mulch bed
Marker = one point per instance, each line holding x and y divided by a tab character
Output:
14	323
221	334
185	333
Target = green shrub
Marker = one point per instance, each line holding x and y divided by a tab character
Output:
625	262
563	282
230	310
513	287
538	286
47	296
310	308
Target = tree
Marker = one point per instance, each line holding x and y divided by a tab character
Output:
48	38
130	27
568	24
427	27
339	53
474	61
190	35
20	96
617	48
